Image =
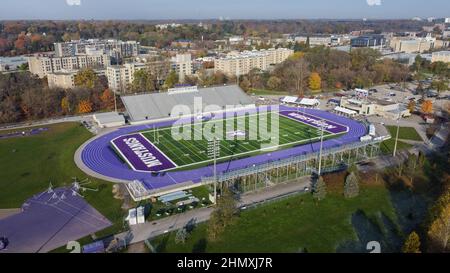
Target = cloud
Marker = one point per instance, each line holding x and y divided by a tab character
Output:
374	2
73	2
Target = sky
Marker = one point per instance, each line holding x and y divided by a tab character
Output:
214	9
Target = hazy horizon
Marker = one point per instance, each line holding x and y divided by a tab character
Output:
213	9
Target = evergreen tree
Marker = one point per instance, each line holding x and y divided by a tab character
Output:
351	186
412	243
181	236
320	189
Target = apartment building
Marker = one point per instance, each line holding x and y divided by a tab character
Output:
316	40
66	78
42	65
240	63
182	65
62	79
120	77
412	45
441	56
116	49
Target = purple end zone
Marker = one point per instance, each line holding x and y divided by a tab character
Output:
330	126
141	154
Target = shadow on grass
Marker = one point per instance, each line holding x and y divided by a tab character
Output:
200	246
381	230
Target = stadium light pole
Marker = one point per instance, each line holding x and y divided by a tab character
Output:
215	169
115	101
320	150
396	136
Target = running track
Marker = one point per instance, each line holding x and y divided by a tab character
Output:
97	158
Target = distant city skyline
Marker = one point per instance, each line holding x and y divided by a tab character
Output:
214	9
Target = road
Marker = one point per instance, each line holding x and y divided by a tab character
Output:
16	126
139	233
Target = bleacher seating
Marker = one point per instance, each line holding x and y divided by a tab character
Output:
159	105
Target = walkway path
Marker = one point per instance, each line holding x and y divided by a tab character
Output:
155	228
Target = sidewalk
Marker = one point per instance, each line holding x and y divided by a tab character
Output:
155	228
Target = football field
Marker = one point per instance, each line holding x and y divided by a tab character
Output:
188	146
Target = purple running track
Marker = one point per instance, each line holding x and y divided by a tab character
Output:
102	159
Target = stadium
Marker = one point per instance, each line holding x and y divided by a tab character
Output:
254	146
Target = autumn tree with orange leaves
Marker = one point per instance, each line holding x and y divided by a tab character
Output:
84	106
107	99
427	107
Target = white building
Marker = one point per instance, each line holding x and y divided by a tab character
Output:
441	56
182	65
111	119
120	77
43	65
241	63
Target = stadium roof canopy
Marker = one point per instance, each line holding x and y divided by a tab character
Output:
289	99
309	102
109	119
345	111
159	105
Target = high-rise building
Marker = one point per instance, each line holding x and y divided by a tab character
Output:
182	65
240	63
116	49
43	65
120	77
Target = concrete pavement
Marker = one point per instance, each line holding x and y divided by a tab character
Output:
139	233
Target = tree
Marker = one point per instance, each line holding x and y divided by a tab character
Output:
412	243
439	231
181	236
107	99
351	186
296	72
143	81
274	83
171	80
315	82
440	85
412	106
223	215
245	84
84	106
427	107
320	189
65	106
86	78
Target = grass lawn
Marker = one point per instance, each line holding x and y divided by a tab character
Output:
290	225
387	146
30	163
265	92
407	133
193	153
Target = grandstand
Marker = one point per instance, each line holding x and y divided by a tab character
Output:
156	106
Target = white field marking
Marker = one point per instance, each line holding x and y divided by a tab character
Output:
248	152
346	130
123	156
213	120
154	145
126	159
